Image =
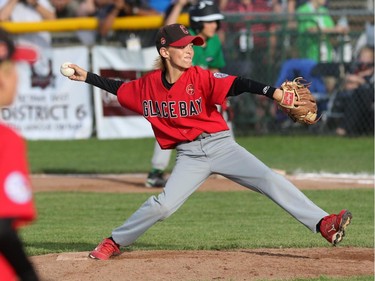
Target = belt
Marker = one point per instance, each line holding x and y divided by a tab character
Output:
202	136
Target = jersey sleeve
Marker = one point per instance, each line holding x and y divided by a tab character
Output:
129	95
216	85
16	200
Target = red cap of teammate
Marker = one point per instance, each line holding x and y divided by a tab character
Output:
176	35
8	51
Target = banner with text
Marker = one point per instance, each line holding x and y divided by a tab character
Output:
112	120
49	105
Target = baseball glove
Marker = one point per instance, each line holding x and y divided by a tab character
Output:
298	90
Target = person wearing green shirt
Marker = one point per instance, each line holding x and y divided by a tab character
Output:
314	28
211	55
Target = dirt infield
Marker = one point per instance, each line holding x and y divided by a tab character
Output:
244	264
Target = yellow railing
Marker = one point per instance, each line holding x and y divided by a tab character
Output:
89	23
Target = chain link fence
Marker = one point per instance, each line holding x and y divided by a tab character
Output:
258	46
264	46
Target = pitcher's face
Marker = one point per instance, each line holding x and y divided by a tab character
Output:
180	57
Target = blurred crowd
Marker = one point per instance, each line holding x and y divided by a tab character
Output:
298	37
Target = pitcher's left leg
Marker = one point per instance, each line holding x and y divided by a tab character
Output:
239	165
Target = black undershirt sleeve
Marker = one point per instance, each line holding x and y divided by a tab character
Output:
11	249
239	86
244	85
104	83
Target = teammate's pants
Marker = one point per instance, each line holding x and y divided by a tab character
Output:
220	154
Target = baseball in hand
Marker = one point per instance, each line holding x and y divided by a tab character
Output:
66	70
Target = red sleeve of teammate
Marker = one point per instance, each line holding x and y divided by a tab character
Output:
15	190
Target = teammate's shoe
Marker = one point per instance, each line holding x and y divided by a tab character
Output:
106	249
333	227
155	179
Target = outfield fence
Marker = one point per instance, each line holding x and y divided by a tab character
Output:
255	46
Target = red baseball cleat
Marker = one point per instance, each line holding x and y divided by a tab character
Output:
333	227
106	249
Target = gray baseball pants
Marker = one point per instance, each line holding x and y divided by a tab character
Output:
196	161
160	158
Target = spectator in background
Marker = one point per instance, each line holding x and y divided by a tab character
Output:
28	11
314	26
16	203
256	55
280	6
74	9
366	38
205	19
109	10
66	8
143	7
260	40
176	8
295	67
33	11
86	8
290	7
160	6
293	5
357	98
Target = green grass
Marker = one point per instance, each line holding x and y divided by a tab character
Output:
314	153
77	221
291	153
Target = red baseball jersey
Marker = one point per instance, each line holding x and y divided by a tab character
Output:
15	191
184	111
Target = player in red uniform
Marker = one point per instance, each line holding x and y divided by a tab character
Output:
16	204
179	100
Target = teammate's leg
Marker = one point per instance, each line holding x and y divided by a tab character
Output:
160	160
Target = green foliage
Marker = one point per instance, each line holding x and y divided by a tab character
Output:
291	153
77	221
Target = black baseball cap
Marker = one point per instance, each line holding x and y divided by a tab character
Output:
9	51
176	35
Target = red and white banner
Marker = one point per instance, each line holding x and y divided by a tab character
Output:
49	105
112	120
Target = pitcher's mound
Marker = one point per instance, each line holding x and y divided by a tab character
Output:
245	264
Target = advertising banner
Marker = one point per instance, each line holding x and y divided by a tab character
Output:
48	105
113	121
